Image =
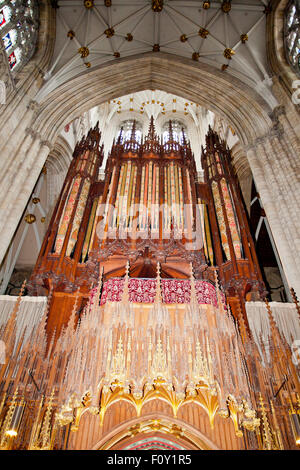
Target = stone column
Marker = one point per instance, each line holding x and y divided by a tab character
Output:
274	168
19	193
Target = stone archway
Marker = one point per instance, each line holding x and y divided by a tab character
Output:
267	136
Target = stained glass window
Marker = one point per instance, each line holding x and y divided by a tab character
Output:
177	127
19	22
292	34
127	129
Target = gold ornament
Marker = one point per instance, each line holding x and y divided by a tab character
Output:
71	34
109	32
157	5
226	6
203	33
88	4
228	53
83	51
30	218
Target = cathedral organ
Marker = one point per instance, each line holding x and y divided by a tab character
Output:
147	274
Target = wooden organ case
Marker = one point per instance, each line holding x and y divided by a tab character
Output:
150	208
137	336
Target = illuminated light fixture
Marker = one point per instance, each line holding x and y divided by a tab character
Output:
16	420
206	5
244	38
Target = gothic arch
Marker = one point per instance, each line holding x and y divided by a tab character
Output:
190	437
244	108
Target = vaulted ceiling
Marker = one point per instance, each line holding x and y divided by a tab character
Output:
229	35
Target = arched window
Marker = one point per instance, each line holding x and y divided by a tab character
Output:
127	129
292	34
19	22
177	127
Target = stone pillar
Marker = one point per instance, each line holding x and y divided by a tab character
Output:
275	168
20	191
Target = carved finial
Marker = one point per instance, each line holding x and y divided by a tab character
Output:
193	286
158	297
127	267
151	132
295	300
72	320
170	131
125	296
120	137
271	318
133	131
99	286
268	443
184	141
